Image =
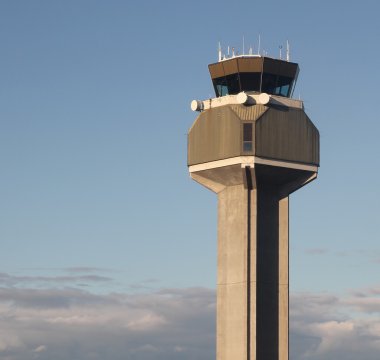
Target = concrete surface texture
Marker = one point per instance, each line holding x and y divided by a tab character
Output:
253	281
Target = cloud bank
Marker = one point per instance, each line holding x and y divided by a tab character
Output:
70	323
74	324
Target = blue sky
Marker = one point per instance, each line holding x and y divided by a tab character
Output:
95	194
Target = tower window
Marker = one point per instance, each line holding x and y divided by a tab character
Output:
247	137
276	85
227	85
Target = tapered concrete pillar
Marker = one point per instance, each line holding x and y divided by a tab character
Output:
283	276
233	288
253	280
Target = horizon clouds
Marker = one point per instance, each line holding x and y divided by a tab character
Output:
71	323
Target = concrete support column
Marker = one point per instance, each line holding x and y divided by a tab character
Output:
253	280
283	286
232	274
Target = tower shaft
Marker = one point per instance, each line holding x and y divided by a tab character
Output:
253	276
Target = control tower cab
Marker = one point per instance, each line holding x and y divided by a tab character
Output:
251	120
253	73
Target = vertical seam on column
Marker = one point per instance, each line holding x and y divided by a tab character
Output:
249	188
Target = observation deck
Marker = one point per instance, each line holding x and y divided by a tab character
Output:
253	73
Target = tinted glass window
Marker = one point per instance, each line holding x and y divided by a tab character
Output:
247	137
283	86
247	132
269	83
276	85
220	85
247	146
250	81
222	89
229	84
233	83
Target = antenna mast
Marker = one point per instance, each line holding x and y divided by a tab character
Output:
287	51
258	49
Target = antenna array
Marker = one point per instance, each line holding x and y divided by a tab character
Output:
222	56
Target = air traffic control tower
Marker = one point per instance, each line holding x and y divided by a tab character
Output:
253	145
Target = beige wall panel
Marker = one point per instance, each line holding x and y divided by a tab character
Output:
287	134
215	135
248	113
282	134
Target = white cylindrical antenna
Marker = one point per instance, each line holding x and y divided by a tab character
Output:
233	52
259	47
287	51
242	98
263	99
251	50
219	52
197	105
228	51
280	52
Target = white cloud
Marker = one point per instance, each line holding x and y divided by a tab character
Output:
9	340
169	324
364	304
333	334
330	327
149	326
39	349
146	322
13	280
